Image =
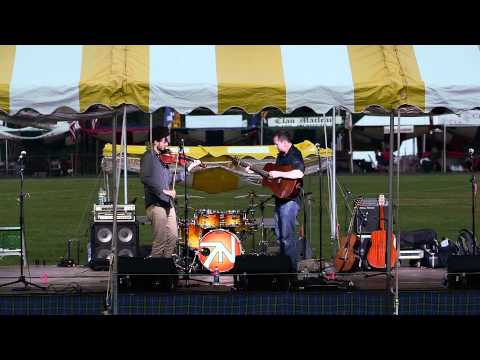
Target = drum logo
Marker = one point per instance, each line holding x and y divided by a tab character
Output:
220	256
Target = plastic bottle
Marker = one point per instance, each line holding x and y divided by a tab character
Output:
216	277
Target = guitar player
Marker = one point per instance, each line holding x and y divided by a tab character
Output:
286	210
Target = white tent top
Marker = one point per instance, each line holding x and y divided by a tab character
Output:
76	78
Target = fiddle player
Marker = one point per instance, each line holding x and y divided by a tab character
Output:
286	210
159	195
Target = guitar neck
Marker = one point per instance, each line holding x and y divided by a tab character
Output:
254	168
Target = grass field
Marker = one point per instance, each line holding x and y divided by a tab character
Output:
58	209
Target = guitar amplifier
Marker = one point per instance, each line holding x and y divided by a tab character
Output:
104	213
367	218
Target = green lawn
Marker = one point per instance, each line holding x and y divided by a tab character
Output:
58	209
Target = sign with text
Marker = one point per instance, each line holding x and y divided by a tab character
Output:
312	121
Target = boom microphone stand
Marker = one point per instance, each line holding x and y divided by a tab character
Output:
188	266
21	196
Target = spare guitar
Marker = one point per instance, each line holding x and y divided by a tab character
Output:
281	188
376	256
347	256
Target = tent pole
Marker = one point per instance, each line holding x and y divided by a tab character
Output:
348	118
6	156
151	125
124	150
334	179
390	204
444	158
261	127
114	269
397	301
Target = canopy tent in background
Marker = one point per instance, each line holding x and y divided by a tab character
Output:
220	175
57	130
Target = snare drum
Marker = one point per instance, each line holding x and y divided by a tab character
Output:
224	246
207	218
233	219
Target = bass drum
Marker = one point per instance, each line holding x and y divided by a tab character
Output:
224	246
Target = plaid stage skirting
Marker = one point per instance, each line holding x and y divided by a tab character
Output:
248	303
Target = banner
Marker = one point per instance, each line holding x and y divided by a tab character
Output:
313	121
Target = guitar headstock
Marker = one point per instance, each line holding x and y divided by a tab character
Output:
381	200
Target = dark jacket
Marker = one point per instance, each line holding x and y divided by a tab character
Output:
157	177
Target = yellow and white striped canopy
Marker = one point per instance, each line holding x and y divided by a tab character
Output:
46	78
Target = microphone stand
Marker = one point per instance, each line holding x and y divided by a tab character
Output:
21	196
473	180
322	281
188	266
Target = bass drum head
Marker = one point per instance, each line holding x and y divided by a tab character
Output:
224	246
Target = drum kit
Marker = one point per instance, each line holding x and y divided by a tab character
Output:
213	238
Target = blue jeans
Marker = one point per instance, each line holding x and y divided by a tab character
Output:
284	217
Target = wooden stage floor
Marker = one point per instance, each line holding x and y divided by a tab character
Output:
83	279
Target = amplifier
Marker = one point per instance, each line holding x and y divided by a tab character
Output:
367	218
104	213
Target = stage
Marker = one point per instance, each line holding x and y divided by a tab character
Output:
82	291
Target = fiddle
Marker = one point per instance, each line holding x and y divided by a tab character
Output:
167	157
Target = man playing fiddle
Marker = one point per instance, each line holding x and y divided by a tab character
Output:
159	194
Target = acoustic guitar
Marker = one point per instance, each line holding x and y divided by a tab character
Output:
347	255
376	256
281	188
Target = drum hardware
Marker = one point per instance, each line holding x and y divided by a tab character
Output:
262	244
251	194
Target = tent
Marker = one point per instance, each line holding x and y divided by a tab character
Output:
50	83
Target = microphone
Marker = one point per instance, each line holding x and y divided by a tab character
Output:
23	154
182	144
318	146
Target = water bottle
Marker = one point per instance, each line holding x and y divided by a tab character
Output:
101	196
306	274
216	277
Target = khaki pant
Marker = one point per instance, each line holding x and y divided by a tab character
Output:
164	229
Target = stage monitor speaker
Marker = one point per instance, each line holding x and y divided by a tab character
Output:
147	274
463	272
100	246
367	218
252	272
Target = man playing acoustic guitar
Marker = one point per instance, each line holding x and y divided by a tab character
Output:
286	209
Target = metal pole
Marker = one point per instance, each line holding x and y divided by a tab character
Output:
397	298
113	274
334	179
151	125
124	141
444	158
390	202
96	156
351	150
6	156
262	119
